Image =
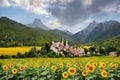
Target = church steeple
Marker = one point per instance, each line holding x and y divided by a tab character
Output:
63	40
66	43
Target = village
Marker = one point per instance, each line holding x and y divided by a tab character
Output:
60	47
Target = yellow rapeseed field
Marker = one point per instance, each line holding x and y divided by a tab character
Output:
14	50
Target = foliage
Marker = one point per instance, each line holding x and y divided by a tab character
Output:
112	42
111	49
92	68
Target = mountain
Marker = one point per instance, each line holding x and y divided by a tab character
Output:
13	33
68	32
37	23
82	35
101	31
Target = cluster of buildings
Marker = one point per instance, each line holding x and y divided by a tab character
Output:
60	47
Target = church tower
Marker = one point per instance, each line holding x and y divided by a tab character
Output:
66	43
63	41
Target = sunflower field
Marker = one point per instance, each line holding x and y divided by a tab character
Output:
84	68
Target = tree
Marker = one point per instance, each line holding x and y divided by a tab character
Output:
102	51
111	49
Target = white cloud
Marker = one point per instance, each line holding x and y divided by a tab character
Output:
87	3
112	9
4	3
55	24
35	6
80	26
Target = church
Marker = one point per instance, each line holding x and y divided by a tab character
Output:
59	47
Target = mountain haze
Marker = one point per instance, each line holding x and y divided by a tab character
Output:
37	23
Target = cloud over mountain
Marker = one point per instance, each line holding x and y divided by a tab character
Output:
67	12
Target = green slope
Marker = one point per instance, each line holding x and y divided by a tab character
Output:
112	42
15	34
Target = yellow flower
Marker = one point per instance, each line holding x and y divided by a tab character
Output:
76	64
53	68
95	65
87	66
104	74
44	66
11	66
26	66
5	67
65	75
103	64
71	70
68	65
101	68
85	73
14	71
91	69
81	68
21	67
114	66
61	66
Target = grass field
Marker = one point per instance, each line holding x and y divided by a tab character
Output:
15	50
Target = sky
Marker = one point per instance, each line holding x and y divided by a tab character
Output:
71	15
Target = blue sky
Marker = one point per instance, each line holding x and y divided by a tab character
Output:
71	15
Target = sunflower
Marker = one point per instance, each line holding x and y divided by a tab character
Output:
11	66
95	65
58	64
114	66
76	64
26	67
44	66
14	71
104	74
85	73
101	68
5	67
53	68
61	66
21	67
81	68
68	65
111	64
87	66
65	75
71	70
103	64
91	69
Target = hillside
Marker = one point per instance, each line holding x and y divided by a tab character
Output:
112	42
82	35
16	34
101	31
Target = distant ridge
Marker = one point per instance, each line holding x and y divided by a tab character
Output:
37	23
99	31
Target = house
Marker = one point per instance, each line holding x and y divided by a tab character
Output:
113	54
59	47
